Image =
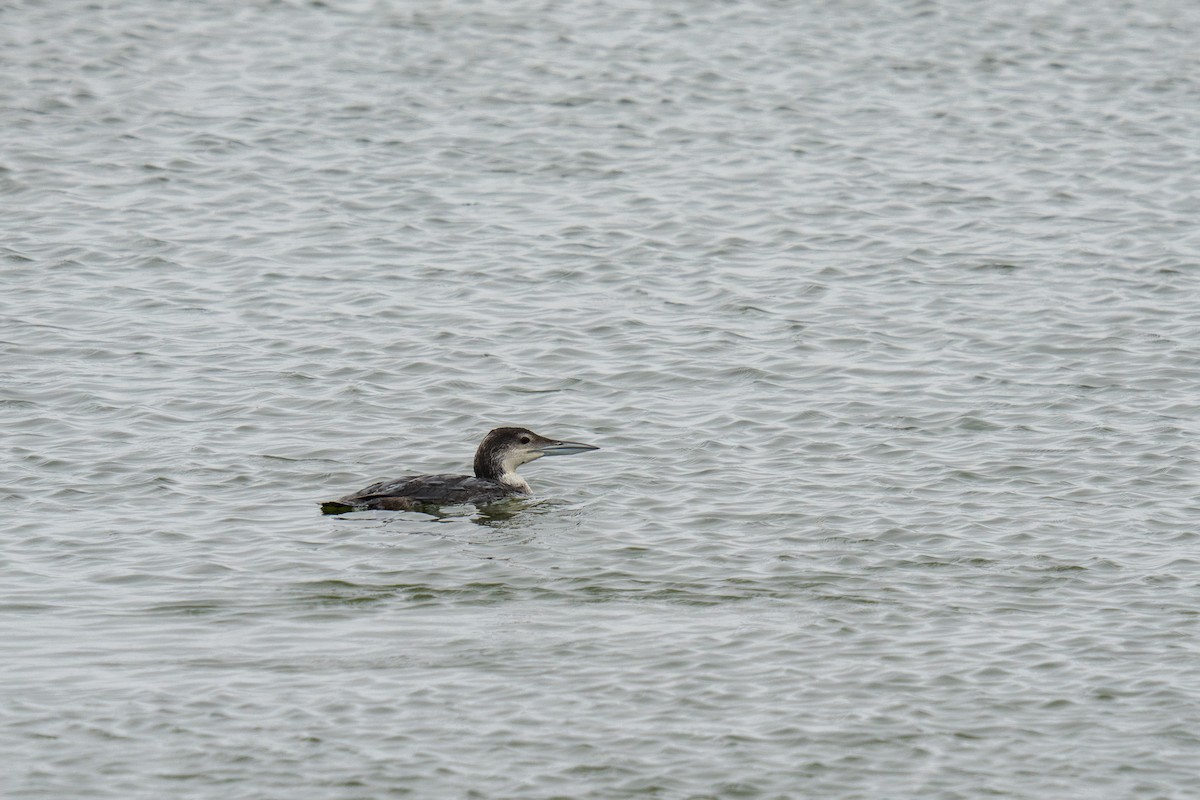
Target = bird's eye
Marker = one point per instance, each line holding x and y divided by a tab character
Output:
524	440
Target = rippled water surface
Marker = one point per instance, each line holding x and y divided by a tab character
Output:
885	315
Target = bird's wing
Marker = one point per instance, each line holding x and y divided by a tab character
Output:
430	489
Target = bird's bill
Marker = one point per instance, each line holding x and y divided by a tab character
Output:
565	448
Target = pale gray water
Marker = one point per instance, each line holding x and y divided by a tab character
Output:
886	316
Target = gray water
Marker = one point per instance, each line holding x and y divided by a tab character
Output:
885	315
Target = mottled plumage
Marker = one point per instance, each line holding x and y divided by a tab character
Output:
496	478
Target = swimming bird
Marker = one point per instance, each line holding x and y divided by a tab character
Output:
496	478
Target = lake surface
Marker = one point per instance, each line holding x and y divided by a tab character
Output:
885	315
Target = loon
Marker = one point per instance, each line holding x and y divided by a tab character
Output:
496	478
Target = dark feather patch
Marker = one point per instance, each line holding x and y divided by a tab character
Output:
412	492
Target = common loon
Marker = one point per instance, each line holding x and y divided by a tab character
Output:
496	478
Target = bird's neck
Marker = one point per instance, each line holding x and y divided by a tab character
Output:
491	468
514	481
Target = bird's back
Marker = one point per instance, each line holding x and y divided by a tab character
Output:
413	492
